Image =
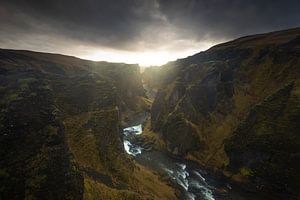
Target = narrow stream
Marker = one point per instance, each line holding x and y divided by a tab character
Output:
193	182
129	147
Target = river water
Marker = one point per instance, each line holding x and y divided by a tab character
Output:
193	182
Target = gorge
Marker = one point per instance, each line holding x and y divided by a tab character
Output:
221	124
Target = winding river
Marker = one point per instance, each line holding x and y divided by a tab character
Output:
193	182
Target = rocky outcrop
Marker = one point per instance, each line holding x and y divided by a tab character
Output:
35	160
265	146
60	128
241	95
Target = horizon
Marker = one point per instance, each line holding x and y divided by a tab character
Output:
95	58
116	57
148	33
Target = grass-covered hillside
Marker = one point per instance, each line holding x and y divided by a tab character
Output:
235	108
60	129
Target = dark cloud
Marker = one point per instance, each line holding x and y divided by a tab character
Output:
138	24
223	18
107	22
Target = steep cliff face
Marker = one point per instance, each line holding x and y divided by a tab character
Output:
60	129
246	88
35	160
265	146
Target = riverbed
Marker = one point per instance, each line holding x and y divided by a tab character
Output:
194	182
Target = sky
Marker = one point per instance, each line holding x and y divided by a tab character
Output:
147	32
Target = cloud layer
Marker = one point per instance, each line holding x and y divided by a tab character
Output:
75	26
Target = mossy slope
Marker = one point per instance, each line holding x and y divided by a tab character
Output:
61	130
203	100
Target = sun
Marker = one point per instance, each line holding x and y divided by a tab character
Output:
143	58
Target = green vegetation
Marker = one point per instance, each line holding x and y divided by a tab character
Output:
60	130
239	101
234	108
26	82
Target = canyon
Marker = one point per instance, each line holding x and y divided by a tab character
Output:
79	129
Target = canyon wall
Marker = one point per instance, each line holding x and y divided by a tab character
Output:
235	108
61	129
